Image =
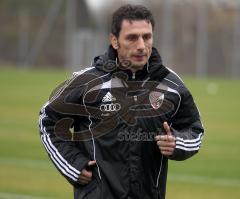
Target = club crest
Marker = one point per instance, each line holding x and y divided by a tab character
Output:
156	99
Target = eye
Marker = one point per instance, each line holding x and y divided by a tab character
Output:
132	37
147	37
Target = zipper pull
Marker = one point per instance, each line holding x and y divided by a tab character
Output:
135	98
133	76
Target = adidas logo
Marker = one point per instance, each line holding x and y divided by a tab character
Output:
108	98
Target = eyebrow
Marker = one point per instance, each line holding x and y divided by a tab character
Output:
137	35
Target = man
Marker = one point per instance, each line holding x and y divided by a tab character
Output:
111	128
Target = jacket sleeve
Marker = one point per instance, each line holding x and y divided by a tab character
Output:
187	128
66	156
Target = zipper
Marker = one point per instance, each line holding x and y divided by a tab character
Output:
135	96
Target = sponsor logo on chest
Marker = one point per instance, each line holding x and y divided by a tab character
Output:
109	104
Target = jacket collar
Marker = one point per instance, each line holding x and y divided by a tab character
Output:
154	68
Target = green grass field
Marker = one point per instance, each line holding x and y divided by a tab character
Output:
27	173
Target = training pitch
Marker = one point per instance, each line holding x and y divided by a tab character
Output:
27	173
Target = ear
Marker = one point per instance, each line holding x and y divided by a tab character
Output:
114	41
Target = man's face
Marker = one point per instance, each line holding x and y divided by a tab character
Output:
134	43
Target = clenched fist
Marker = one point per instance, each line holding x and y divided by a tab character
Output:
86	174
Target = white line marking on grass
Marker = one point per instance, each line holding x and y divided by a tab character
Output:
20	196
226	182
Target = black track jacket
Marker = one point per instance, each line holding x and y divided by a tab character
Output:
112	115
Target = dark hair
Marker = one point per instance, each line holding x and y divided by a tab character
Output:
129	12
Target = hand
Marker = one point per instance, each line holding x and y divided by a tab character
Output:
166	143
86	174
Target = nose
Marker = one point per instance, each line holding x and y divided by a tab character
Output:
140	44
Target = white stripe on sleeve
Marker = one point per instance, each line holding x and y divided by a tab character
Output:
189	144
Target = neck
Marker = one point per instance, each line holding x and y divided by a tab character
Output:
134	70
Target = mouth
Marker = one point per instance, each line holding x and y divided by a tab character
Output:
139	57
